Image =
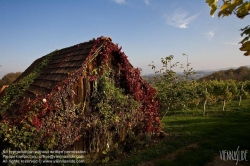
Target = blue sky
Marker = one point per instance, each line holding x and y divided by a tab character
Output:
146	29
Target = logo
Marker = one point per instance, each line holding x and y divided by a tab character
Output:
237	155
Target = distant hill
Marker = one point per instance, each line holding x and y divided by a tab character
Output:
240	74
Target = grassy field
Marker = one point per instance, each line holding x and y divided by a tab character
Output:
193	139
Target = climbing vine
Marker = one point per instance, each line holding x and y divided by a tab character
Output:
53	121
15	90
114	106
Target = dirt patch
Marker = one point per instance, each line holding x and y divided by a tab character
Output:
218	162
149	163
172	156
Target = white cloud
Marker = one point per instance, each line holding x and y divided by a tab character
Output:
119	1
146	2
179	18
209	35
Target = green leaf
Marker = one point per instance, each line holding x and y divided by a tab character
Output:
238	2
243	10
225	6
213	9
244	40
246	31
227	9
211	2
246	47
26	133
213	6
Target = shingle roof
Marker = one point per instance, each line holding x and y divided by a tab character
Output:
63	63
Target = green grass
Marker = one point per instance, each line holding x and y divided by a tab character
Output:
217	130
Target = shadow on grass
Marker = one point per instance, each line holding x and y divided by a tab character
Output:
216	131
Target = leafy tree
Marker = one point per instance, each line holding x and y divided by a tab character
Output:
188	71
172	89
241	92
241	9
9	78
247	86
224	90
203	91
165	83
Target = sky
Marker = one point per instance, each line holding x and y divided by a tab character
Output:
147	30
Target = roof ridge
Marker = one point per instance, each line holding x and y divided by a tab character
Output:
108	38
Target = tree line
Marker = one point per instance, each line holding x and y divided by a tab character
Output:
9	78
240	74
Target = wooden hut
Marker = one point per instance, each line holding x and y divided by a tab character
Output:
56	103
